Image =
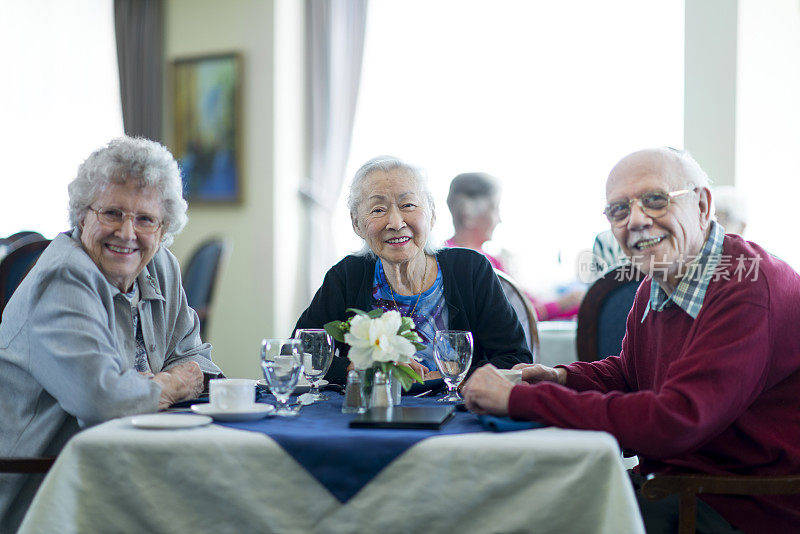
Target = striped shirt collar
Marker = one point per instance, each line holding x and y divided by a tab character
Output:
692	288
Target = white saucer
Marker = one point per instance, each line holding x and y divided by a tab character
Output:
162	421
257	411
302	385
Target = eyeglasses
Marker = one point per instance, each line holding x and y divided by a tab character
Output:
142	222
654	204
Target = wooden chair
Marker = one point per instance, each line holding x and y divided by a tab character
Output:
200	278
524	309
604	311
690	485
16	264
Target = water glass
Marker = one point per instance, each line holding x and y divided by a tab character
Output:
281	361
317	350
452	350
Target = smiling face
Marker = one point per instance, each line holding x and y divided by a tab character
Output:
119	251
660	246
393	216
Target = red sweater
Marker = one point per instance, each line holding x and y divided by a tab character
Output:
718	394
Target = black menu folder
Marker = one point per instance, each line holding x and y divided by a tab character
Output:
414	417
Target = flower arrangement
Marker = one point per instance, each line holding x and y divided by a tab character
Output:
380	339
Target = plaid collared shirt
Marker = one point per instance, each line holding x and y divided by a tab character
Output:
692	288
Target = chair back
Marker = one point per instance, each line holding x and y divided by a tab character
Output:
29	235
200	277
21	258
524	310
604	311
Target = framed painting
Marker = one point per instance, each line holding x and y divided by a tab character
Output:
207	132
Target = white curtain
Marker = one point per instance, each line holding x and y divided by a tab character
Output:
334	48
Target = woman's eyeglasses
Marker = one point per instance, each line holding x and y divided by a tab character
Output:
142	222
654	204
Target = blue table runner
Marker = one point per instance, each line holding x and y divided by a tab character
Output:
341	458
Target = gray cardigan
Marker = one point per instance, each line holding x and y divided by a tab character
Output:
67	351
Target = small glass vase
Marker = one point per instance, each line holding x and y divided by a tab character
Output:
396	389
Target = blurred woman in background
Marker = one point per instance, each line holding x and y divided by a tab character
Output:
474	202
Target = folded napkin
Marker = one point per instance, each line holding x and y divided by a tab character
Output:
506	424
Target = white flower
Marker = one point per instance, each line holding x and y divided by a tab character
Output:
376	340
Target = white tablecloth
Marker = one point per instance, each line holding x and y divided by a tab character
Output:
117	478
557	342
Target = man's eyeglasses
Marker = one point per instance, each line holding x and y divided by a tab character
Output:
142	222
654	204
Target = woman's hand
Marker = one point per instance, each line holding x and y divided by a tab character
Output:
184	381
416	366
536	372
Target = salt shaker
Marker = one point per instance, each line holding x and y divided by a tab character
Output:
381	392
354	401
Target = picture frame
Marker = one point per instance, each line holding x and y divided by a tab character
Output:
207	141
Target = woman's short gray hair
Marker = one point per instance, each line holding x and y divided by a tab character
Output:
471	194
125	159
386	164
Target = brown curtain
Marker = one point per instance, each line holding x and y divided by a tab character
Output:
139	28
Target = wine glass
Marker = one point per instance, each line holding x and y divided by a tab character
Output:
282	365
317	350
452	350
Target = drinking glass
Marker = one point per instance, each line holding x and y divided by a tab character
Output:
453	352
282	364
317	350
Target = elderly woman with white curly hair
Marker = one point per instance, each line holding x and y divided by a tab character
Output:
100	327
398	268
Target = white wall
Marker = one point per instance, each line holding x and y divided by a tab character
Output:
768	122
253	299
710	86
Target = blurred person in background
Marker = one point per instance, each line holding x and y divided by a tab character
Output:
730	209
474	203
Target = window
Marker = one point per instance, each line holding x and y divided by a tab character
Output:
60	96
546	96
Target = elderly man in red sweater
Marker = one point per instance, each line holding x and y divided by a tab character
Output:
708	377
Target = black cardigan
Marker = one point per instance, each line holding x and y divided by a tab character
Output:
474	298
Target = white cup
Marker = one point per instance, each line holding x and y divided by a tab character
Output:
231	394
512	375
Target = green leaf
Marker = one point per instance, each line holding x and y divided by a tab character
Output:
411	336
418	346
407	376
374	314
335	330
356	311
406	324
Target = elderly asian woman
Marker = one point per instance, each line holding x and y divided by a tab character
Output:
100	327
392	210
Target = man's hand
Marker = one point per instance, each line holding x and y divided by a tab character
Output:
536	372
486	392
184	381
